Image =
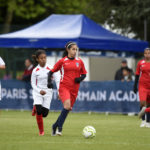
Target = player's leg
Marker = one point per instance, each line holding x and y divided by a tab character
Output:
34	110
45	112
143	97
73	96
38	100
47	98
39	119
147	112
65	98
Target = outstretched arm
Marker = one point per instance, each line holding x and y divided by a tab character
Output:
135	88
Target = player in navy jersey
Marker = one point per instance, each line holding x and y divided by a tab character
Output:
42	95
72	73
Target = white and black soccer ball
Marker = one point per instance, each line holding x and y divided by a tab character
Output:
89	132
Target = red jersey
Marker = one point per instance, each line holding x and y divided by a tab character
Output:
143	69
70	69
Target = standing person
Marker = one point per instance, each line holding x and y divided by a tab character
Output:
41	94
2	66
28	71
143	81
119	72
72	73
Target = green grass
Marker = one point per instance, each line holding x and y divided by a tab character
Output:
18	131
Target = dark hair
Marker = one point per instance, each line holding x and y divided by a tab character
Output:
36	55
146	49
29	59
68	46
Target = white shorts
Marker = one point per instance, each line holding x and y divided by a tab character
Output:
44	100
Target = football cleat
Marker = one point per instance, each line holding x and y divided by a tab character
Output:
41	133
143	124
58	133
147	125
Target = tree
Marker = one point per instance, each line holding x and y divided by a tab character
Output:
130	15
31	11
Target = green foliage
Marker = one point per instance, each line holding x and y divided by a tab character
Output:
130	14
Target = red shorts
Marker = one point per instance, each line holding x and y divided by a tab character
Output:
66	93
144	94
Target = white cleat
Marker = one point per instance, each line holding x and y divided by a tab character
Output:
58	133
142	112
143	124
147	125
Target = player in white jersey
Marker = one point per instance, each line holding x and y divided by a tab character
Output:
42	95
2	64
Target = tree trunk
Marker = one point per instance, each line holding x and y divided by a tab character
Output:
9	16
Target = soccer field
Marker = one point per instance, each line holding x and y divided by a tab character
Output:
18	131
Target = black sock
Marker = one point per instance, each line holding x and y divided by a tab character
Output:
143	117
61	119
148	117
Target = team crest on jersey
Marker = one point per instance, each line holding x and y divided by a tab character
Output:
77	64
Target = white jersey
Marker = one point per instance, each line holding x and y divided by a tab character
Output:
2	63
39	78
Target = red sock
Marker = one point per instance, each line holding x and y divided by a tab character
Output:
34	110
147	109
39	119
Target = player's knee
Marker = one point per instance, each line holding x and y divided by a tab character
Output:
67	106
45	112
143	103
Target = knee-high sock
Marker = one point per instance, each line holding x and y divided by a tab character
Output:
39	119
143	117
61	119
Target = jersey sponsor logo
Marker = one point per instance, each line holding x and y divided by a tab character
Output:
37	69
77	64
48	68
66	63
143	61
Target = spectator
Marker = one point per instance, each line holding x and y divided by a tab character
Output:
127	76
119	72
27	72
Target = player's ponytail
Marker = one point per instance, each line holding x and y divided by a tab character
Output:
68	46
36	55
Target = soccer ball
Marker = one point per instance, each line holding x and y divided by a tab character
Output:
89	132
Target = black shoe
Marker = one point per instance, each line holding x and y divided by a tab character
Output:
53	131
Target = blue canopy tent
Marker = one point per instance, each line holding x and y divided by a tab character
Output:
56	30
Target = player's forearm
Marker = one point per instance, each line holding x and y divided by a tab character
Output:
50	76
82	77
136	81
2	67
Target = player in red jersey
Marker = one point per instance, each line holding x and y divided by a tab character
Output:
72	73
143	76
